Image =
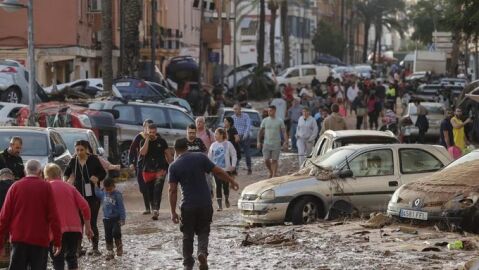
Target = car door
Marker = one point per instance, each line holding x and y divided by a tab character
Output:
307	74
128	123
375	178
417	163
179	122
293	77
159	116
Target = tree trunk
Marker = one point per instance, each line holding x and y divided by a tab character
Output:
367	25
261	34
376	41
106	45
131	57
453	68
285	33
380	35
272	32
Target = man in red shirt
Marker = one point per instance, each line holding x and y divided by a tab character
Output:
28	214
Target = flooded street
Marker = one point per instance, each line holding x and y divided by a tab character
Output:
339	244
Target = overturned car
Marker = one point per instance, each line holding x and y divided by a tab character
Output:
345	180
450	195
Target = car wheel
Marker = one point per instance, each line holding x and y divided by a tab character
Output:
11	95
305	211
124	155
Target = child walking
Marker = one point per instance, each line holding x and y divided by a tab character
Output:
223	154
113	216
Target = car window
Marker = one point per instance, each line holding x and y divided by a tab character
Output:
126	114
333	158
55	139
327	146
418	161
309	71
13	112
96	106
293	73
93	143
156	114
34	144
373	163
179	120
323	141
70	138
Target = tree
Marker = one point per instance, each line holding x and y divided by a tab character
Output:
131	57
285	33
426	17
328	40
273	6
107	45
261	34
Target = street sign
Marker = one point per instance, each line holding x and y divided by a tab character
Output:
214	57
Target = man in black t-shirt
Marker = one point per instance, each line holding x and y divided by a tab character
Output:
156	156
195	144
189	170
445	131
10	158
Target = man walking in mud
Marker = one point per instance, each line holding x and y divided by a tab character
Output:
189	171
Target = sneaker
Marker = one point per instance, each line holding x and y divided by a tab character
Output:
203	262
110	255
155	215
147	212
250	172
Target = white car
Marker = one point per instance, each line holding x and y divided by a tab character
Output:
355	177
8	113
91	86
303	75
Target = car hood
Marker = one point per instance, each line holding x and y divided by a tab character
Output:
451	187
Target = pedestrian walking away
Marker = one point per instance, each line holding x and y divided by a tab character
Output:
80	172
29	215
136	163
271	130
242	123
223	155
156	154
334	121
189	170
306	134
114	216
11	158
69	202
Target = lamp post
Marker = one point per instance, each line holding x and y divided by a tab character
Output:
12	6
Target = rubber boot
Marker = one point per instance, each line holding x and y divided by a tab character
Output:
119	247
110	255
227	202
220	204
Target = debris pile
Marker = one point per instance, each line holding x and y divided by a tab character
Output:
287	238
377	221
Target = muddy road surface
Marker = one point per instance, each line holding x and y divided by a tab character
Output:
340	244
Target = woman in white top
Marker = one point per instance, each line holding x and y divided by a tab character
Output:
223	154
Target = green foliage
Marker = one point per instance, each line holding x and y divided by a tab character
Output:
427	16
329	40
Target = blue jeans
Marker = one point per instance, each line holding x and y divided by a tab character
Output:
292	135
245	145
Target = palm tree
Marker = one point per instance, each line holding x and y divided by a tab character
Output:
131	57
367	9
273	6
261	34
107	45
285	33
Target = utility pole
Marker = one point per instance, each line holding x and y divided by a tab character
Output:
222	42
122	36
153	37
31	59
200	62
234	44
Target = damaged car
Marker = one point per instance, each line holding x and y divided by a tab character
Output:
450	196
345	180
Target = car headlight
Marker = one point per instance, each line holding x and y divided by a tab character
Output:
267	195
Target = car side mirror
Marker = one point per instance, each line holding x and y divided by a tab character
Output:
100	151
345	174
59	150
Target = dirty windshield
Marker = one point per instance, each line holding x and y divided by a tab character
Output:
333	158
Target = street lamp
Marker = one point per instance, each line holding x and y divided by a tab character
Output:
12	6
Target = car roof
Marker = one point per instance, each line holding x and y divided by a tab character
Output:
357	133
24	129
72	130
393	145
151	104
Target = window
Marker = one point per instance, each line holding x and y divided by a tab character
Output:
94	5
156	114
309	71
179	120
126	114
418	161
373	163
293	73
55	139
323	141
93	143
34	144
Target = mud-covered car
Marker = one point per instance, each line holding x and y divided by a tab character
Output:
354	178
450	195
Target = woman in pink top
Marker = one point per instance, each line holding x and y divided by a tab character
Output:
69	202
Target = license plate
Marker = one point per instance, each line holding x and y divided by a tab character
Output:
247	206
413	214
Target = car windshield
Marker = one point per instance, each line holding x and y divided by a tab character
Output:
34	144
332	159
135	90
71	137
283	73
469	157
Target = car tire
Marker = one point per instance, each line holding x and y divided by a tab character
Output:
305	211
124	153
11	95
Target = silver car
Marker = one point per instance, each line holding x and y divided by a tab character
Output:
359	177
43	144
71	135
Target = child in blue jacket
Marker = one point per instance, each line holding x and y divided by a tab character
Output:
113	216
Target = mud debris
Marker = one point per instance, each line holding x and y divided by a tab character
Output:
286	238
378	221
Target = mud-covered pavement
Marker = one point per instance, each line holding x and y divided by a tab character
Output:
341	244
